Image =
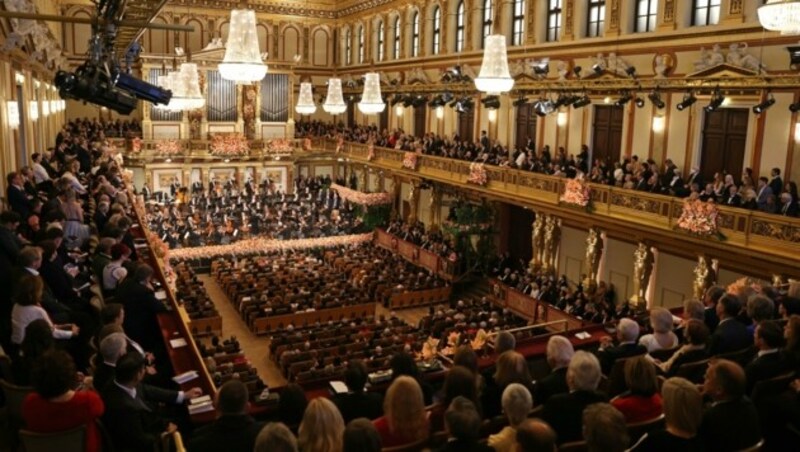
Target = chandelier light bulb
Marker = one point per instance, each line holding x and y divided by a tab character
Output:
334	102
439	112
305	100
187	96
242	62
492	115
371	100
398	110
561	118
658	123
494	77
780	15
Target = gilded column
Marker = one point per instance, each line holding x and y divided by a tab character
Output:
594	252
552	243
705	276
444	35
413	199
643	262
468	19
537	241
531	26
568	33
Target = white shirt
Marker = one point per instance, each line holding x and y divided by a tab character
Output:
40	174
21	316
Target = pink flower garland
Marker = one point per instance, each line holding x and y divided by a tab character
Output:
410	160
233	145
477	174
168	147
361	198
262	244
576	192
698	217
278	146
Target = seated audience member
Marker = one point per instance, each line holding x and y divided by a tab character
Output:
503	342
113	317
696	334
662	337
710	300
641	402
234	430
275	437
101	257
791	332
517	403
683	412
114	272
360	436
463	427
404	418
130	419
604	429
38	341
141	306
730	335
563	411
627	334
511	367
292	405
55	405
404	364
770	361
322	427
28	307
357	402
112	347
759	309
533	435
731	423
559	354
459	382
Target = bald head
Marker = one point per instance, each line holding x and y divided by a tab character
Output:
534	435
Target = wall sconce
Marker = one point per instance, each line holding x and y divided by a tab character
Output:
439	112
46	108
33	110
492	115
658	123
13	113
19	78
561	119
398	110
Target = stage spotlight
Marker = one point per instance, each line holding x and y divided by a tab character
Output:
491	102
794	108
794	55
763	106
639	102
716	101
626	97
582	102
541	68
688	101
631	71
577	71
655	98
598	69
520	101
562	100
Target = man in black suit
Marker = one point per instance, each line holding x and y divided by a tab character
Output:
731	335
732	421
776	183
564	412
131	421
234	430
17	198
696	334
358	403
788	205
710	300
137	296
559	354
770	361
627	334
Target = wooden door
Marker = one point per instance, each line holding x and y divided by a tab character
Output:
419	120
724	134
526	125
607	133
466	125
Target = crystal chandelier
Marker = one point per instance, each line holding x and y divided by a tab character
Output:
371	100
780	15
187	96
242	62
494	77
165	82
305	100
334	102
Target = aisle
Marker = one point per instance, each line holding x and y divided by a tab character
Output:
254	347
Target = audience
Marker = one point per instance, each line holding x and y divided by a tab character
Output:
683	412
559	355
517	403
662	337
696	335
731	423
730	335
360	436
322	428
511	367
405	420
641	402
463	427
275	437
357	402
234	430
627	334
534	435
604	429
771	360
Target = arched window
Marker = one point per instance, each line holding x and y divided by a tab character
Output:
437	30
415	35
553	20
517	22
646	12
397	38
460	26
348	48
487	21
380	40
596	19
705	12
361	44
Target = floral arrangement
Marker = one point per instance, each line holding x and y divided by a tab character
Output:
576	193
136	145
371	152
160	249
361	198
477	174
279	146
262	245
410	160
700	218
168	147
744	286
229	145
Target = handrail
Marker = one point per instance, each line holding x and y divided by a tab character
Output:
565	322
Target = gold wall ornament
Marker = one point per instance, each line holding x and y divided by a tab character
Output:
594	252
552	242
537	240
643	261
704	277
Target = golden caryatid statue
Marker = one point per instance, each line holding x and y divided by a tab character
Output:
704	277
643	260
594	251
537	241
552	240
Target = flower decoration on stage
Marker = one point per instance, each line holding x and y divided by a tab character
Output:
477	174
136	145
699	218
278	146
410	160
745	285
229	145
576	193
361	198
371	152
168	147
159	247
264	245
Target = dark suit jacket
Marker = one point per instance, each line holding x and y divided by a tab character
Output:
229	433
776	185
103	374
132	424
610	355
686	358
765	367
141	308
359	404
730	336
730	425
552	384
711	319
564	412
19	202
